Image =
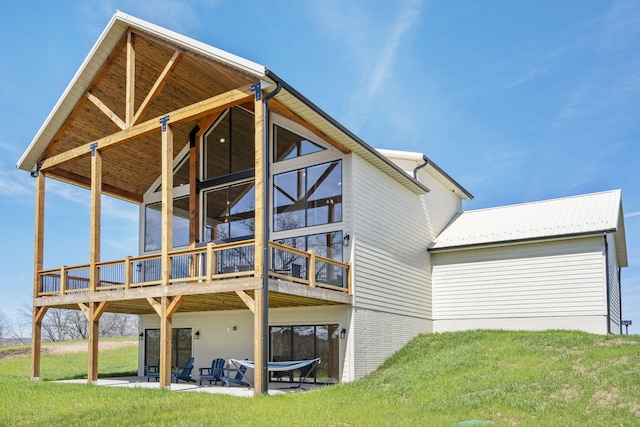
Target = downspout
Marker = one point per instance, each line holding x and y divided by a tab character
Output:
620	294
417	168
265	236
606	272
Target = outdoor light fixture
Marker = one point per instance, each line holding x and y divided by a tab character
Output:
197	335
345	240
343	333
141	336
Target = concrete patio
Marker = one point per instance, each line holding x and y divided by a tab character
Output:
275	387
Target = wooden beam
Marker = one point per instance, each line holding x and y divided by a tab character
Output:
205	123
173	304
194	194
80	105
36	341
284	111
260	315
95	218
157	87
249	302
157	306
166	335
167	202
106	110
181	115
38	246
95	311
130	81
75	179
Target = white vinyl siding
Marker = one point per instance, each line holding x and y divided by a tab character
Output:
513	287
613	280
392	229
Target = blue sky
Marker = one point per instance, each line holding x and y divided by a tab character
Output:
518	101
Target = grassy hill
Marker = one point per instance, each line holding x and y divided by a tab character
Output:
501	378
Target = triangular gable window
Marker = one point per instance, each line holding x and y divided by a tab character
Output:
288	145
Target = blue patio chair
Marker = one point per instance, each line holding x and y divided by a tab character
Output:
183	372
152	371
214	373
237	379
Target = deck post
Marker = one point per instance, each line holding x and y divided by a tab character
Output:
93	311
166	335
38	259
96	196
36	341
167	199
261	314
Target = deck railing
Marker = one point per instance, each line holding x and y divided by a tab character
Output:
199	265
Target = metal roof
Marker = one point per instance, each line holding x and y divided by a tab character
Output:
574	216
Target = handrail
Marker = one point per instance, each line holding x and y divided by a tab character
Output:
203	264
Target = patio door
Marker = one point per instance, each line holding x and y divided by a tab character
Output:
180	346
307	342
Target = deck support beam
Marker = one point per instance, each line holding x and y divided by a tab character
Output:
261	307
93	311
38	260
95	218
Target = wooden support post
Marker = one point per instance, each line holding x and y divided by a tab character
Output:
130	81
96	196
38	259
128	272
194	202
36	341
93	311
311	271
168	307
260	315
167	200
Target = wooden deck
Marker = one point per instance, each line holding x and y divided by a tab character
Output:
211	278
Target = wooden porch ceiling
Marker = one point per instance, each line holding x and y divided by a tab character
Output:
166	78
215	297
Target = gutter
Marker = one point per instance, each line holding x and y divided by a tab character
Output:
265	235
417	168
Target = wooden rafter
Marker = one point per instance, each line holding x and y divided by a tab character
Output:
106	110
181	115
130	80
157	87
105	67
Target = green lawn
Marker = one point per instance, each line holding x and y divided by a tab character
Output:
505	378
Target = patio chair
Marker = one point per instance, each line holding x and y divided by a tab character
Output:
237	379
152	371
214	373
183	372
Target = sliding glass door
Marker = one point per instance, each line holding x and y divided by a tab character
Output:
307	342
180	347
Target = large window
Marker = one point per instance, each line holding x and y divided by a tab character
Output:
229	147
308	196
229	212
328	245
307	342
288	145
180	346
153	224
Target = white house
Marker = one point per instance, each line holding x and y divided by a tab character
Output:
269	231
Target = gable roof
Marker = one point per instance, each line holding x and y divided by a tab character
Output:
588	214
426	164
72	123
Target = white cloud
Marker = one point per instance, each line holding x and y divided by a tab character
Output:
631	214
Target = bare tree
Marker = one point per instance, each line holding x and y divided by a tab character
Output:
60	324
